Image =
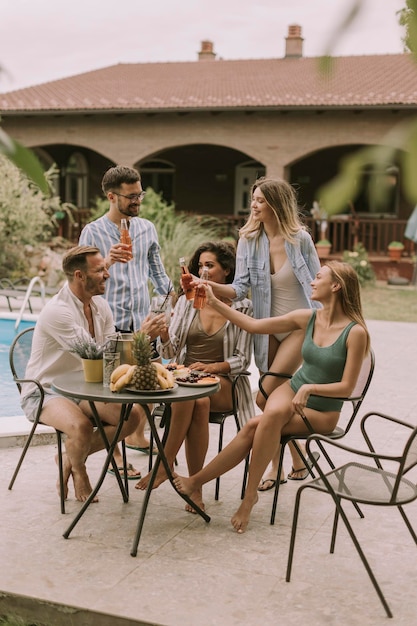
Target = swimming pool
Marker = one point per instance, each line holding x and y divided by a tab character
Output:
10	403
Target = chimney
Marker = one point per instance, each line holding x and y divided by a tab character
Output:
294	42
206	53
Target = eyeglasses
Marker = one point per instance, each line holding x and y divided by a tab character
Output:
132	196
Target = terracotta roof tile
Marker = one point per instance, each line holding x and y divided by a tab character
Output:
356	81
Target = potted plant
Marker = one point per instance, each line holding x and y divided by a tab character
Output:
91	354
323	247
395	250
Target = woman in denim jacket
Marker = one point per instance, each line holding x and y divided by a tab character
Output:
276	261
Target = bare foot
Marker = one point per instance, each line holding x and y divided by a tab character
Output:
82	485
240	519
159	479
185	485
197	497
67	471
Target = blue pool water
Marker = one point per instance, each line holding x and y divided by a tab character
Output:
10	404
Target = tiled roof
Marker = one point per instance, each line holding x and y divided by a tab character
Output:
356	81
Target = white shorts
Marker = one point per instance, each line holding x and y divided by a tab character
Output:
30	404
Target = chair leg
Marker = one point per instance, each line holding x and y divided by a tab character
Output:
165	415
334	530
219	449
277	485
303	458
61	471
407	523
293	533
363	558
150	460
22	456
124	459
245	477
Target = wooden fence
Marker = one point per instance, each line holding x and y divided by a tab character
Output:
344	231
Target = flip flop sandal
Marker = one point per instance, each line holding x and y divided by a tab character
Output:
304	470
273	483
129	467
144	450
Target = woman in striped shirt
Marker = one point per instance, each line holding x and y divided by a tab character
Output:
205	341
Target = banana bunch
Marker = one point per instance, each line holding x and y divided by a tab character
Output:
165	378
122	377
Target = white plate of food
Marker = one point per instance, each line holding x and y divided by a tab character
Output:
178	371
149	391
203	381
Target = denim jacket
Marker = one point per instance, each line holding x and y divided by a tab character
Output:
253	272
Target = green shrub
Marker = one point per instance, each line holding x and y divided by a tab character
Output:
27	218
179	234
358	259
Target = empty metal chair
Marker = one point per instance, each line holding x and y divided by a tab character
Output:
19	354
364	481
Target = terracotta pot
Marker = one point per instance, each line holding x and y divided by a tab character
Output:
323	251
395	254
93	370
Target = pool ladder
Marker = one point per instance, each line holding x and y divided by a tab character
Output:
28	293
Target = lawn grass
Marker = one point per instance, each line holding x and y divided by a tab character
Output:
389	303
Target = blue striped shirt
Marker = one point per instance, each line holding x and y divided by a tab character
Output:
127	289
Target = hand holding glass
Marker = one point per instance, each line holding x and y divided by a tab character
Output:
162	304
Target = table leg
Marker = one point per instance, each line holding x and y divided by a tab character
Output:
124	414
160	458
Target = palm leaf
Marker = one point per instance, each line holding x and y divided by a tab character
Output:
24	159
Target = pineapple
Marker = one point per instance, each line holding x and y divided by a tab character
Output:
145	375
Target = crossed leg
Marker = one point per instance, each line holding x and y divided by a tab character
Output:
262	433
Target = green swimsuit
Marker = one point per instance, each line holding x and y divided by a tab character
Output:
321	366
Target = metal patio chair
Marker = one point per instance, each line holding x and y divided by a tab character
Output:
356	399
19	354
219	417
363	483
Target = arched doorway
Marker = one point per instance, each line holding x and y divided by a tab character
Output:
160	175
76	180
246	174
202	178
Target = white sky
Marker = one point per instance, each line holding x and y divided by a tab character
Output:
42	40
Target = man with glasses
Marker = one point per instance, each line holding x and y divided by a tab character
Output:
127	291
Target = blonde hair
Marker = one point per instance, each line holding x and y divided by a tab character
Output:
350	294
282	199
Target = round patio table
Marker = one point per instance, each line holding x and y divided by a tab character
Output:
73	385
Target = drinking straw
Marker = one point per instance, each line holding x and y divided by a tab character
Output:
168	294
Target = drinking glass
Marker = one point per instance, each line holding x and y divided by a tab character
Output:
111	360
162	304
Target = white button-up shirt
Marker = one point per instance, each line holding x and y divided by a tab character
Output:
60	322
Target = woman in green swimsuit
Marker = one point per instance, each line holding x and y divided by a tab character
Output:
336	342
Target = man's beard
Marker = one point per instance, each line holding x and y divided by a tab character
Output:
128	211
